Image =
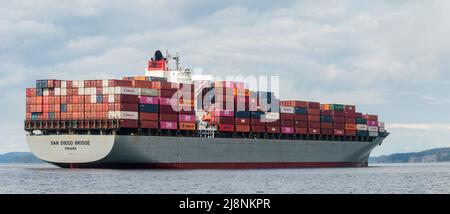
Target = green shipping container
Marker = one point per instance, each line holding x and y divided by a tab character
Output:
337	107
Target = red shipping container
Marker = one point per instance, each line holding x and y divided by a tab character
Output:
350	132
223	120
226	128
327	131
293	103
168	93
285	116
273	123
313	124
287	123
242	128
326	125
149	124
273	129
301	124
349	108
301	117
350	114
313	118
120	83
128	124
125	98
339	132
338	113
350	120
242	121
313	105
370	117
258	129
339	125
358	115
124	107
257	122
313	111
314	131
38	100
301	130
148	116
167	110
326	113
168	117
338	119
141	84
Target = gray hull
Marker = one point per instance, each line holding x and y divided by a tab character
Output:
117	151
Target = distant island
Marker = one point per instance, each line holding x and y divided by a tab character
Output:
432	155
19	157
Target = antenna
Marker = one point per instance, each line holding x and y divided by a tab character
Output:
176	58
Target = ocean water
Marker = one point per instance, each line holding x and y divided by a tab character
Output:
380	178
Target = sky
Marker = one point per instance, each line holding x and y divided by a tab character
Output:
389	58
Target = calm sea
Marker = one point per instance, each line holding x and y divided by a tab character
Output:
382	178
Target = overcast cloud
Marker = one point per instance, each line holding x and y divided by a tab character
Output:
387	57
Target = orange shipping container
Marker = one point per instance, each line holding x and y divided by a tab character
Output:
187	126
350	126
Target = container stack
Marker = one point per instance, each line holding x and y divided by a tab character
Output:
372	124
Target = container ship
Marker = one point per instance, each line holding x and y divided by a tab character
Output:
170	118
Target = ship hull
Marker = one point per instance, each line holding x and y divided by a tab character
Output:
117	151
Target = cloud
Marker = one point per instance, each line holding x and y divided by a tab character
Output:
418	126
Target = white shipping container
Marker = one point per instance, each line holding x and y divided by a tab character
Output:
111	98
148	92
373	134
111	90
288	110
361	127
57	91
80	83
105	83
381	129
373	128
75	83
81	91
126	90
126	115
63	92
111	115
45	92
270	116
63	84
93	99
381	124
94	91
87	91
105	91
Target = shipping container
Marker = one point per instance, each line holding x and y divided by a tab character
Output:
287	130
168	125
226	127
313	111
128	124
314	131
168	117
148	100
242	128
362	133
313	105
286	116
258	129
243	114
327	131
146	124
150	108
189	126
148	116
313	124
190	118
326	125
339	132
349	126
339	125
300	117
242	121
273	129
287	123
301	130
292	103
361	127
313	118
373	134
300	124
350	132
